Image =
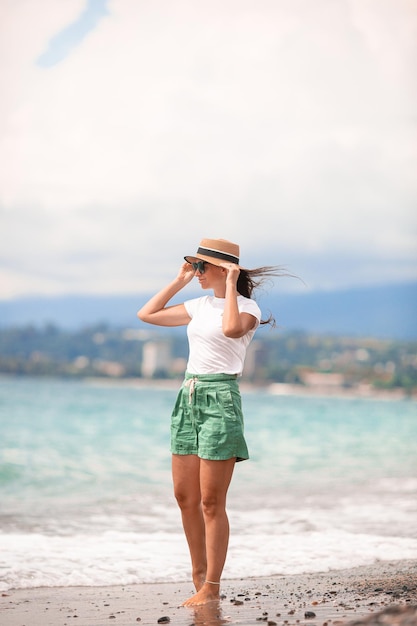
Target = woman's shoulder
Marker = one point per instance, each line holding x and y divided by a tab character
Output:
248	305
194	304
198	300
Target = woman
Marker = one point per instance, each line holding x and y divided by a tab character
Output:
207	422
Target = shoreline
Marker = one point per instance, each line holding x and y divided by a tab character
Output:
362	391
335	598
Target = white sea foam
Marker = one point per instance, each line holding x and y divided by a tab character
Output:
118	558
124	546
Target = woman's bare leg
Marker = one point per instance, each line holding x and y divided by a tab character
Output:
186	478
215	477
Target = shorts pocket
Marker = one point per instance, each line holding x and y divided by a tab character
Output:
219	404
230	402
221	433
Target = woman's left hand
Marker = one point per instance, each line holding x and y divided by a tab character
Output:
233	272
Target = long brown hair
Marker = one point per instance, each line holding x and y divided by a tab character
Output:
249	280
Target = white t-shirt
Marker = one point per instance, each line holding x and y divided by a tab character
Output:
211	352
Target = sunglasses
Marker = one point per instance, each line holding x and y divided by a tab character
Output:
200	266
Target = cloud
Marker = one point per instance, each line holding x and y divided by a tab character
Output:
61	44
288	127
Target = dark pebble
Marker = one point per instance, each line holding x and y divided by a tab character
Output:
309	614
396	615
164	620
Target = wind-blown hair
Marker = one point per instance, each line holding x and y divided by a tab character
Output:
249	280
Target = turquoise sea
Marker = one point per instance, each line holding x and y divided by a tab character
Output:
86	496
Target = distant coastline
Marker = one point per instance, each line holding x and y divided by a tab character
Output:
291	363
278	389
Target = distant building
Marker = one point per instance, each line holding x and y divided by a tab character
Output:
114	369
157	358
322	380
256	359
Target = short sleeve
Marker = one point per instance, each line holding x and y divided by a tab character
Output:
191	306
246	305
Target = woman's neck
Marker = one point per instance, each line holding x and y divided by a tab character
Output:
219	292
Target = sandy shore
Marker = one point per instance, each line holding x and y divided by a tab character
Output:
341	597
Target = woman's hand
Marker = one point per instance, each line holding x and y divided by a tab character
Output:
186	273
233	272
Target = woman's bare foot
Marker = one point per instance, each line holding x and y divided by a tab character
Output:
207	593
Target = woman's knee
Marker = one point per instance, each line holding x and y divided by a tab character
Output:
186	500
213	505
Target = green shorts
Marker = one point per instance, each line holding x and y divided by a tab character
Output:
207	419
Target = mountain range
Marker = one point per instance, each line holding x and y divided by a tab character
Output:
387	311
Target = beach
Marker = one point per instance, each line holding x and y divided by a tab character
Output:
322	516
334	598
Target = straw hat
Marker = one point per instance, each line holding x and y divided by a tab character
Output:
216	251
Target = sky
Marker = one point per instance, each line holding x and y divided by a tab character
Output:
132	129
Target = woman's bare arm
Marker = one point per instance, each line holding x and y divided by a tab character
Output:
156	311
235	324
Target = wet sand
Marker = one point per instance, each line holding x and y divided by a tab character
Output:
350	596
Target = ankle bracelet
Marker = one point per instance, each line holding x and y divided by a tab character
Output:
210	582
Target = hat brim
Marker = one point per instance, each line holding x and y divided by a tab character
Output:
209	259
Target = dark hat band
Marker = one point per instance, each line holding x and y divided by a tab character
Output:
218	255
